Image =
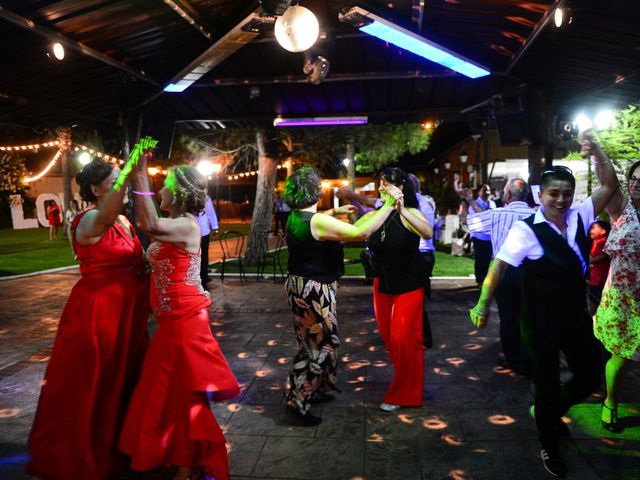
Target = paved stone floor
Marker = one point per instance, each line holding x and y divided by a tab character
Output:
474	423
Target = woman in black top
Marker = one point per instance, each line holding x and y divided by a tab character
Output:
399	279
315	264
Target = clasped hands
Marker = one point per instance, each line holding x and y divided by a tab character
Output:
139	151
394	195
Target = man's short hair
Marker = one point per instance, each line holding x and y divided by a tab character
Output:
518	189
557	172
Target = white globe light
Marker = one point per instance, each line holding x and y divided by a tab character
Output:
84	158
297	30
346	162
604	119
205	167
558	17
58	51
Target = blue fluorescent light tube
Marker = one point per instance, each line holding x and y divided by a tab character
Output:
407	40
177	87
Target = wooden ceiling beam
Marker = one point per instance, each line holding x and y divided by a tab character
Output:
190	15
50	35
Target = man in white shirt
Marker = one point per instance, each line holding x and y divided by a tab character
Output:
496	223
208	222
553	249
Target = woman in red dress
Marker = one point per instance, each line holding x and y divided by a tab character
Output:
53	217
169	422
100	344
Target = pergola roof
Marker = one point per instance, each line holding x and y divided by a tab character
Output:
126	51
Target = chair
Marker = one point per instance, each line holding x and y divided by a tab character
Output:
270	256
232	244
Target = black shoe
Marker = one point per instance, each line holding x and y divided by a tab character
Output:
553	463
307	419
613	426
321	398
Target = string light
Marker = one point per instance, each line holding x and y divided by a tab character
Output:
237	176
46	169
35	146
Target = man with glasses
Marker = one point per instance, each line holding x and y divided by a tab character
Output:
552	248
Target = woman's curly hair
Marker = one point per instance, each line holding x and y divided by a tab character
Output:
189	188
93	173
303	188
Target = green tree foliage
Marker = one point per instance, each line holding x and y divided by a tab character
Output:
622	140
12	174
381	145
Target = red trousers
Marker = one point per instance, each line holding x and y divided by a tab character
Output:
399	320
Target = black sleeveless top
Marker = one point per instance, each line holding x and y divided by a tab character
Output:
397	260
555	284
322	261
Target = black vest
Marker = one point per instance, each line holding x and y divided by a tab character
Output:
554	284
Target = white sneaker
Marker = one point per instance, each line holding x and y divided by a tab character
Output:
387	407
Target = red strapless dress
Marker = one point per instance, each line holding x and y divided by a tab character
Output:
95	365
169	421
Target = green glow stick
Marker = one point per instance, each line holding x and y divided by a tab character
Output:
139	149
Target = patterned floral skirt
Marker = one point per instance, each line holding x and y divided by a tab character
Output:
314	320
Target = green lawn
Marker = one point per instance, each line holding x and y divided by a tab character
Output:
446	265
30	250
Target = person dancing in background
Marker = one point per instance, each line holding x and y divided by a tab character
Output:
598	263
101	339
427	207
316	262
208	223
169	421
53	218
617	321
398	288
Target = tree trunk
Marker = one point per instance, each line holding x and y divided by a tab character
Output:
64	137
351	167
263	206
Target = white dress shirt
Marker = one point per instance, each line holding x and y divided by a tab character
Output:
522	242
207	220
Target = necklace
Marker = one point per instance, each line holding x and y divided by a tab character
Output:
391	218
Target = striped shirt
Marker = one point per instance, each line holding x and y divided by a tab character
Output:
428	209
497	222
484	206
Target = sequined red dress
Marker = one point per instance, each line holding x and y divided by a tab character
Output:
95	365
169	421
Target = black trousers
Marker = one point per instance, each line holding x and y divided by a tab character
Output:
546	337
483	253
204	261
427	336
510	302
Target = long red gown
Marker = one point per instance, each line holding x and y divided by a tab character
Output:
169	421
95	365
